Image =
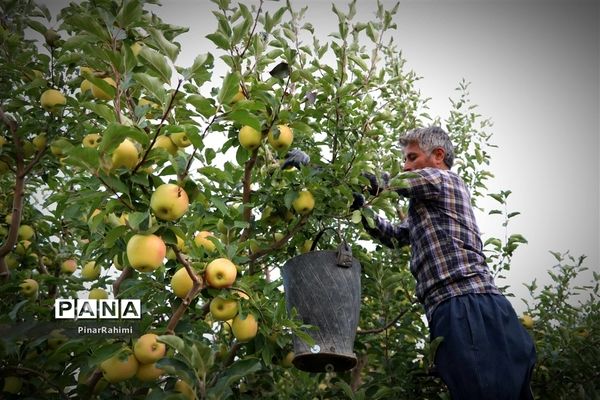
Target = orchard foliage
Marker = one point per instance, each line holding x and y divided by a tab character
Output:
66	173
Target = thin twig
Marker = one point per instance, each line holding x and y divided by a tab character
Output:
126	273
386	326
197	285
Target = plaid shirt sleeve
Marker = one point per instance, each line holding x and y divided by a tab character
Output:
424	185
390	235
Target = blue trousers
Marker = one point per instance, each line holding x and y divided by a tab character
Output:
486	353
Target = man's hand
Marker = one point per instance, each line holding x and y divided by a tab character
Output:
295	158
377	186
358	203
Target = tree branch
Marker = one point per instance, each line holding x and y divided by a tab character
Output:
386	326
197	285
126	273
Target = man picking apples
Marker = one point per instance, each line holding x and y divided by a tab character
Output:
485	353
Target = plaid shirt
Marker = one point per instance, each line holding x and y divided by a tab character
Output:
447	254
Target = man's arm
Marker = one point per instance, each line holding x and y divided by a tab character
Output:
423	184
390	235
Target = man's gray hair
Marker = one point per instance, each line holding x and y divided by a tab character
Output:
429	139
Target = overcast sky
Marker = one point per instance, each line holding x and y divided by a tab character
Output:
534	68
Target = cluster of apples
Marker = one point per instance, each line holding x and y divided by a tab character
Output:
140	363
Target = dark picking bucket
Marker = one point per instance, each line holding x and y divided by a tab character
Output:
324	288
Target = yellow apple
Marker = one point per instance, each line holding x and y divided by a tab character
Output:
22	247
164	142
181	283
136	48
239	96
148	372
185	389
28	149
2	141
304	203
223	309
39	142
148	350
125	155
221	273
101	94
283	140
3	167
169	202
120	367
51	99
305	248
244	329
26	232
29	287
98	294
202	240
249	137
527	321
85	86
84	70
91	140
90	271
146	252
286	362
68	266
12	384
180	139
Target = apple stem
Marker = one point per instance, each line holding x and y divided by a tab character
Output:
94	379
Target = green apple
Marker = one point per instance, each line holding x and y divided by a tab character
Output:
249	137
281	140
306	246
26	232
86	86
101	94
91	140
56	338
91	271
125	155
51	99
239	96
136	48
304	203
97	294
164	142
148	350
169	202
12	384
29	287
180	139
146	252
244	329
120	367
22	247
220	273
286	361
11	261
223	309
39	142
181	283
68	266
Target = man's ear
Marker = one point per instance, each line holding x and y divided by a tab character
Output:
439	154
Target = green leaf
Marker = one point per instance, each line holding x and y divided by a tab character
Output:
113	236
101	110
230	87
244	117
220	40
173	341
235	372
116	133
130	12
84	157
202	104
168	48
158	62
200	67
152	85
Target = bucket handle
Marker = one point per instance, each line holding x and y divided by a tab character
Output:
344	251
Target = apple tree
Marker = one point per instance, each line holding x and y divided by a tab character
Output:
126	175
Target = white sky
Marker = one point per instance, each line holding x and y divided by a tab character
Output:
534	68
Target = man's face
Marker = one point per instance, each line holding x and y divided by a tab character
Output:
415	158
